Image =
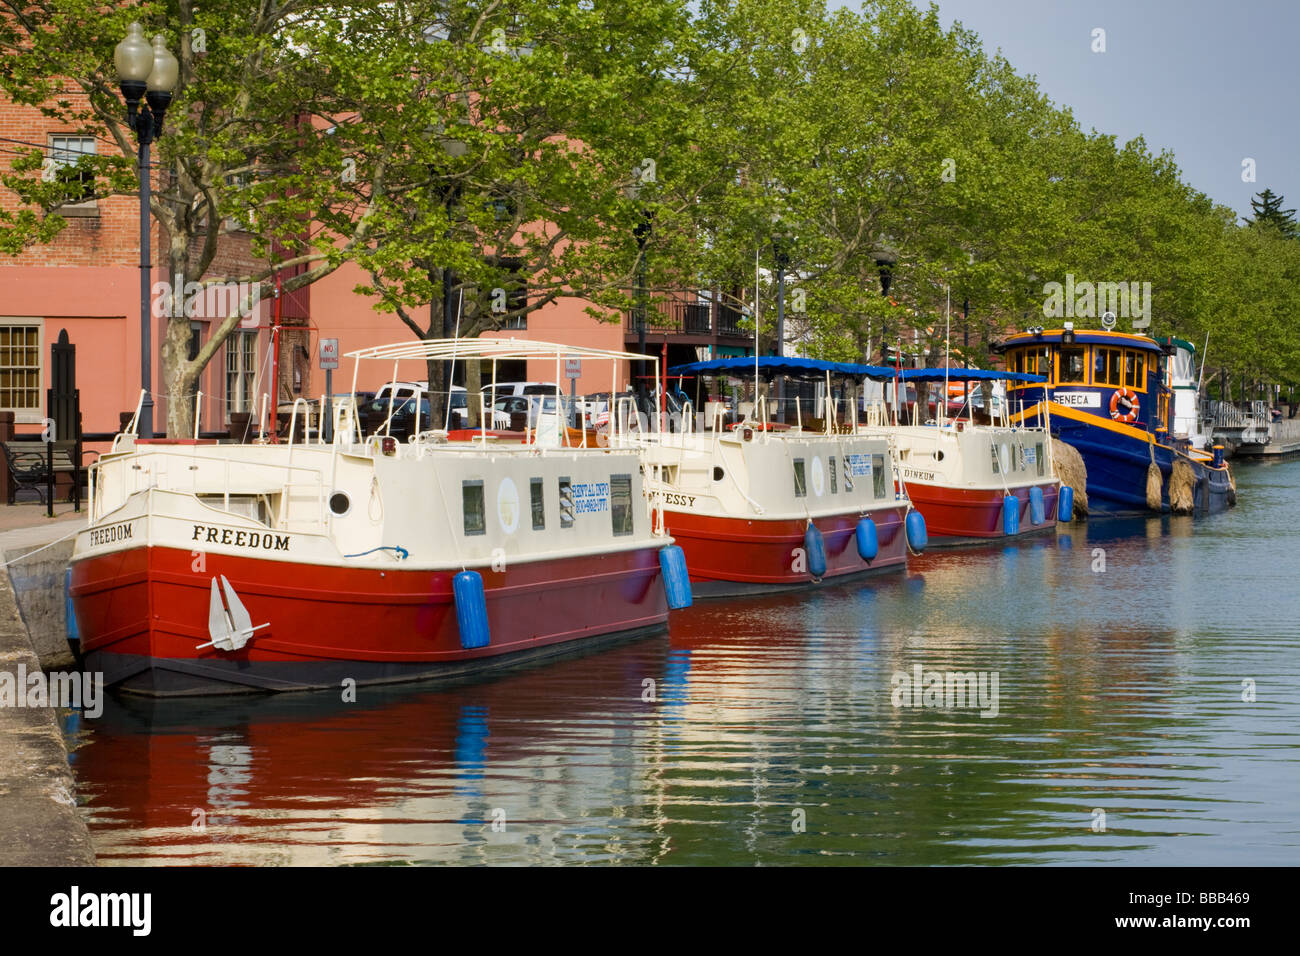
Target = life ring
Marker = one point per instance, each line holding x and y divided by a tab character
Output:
1124	405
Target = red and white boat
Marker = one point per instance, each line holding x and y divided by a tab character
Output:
211	568
973	482
767	507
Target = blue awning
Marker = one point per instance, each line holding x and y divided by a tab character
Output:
775	365
967	374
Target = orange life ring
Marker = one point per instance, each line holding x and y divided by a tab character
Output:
1124	398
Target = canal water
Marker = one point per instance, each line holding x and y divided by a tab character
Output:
1147	711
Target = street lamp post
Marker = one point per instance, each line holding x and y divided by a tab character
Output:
150	74
885	258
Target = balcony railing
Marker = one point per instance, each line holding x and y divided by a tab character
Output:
690	318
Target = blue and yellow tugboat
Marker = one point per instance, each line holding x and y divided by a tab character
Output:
1107	395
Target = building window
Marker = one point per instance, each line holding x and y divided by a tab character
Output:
620	503
65	163
20	371
539	504
241	370
471	493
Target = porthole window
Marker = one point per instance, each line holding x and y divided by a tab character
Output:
938	455
717	473
340	504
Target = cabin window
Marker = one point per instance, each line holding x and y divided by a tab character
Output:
997	466
566	504
1106	367
472	500
1038	457
1135	370
878	475
620	503
800	484
1072	368
830	461
538	496
848	475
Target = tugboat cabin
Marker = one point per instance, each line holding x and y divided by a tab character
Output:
1113	376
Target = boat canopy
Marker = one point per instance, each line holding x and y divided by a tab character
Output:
777	365
967	375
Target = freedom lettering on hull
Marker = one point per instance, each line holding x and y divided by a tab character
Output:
112	534
263	540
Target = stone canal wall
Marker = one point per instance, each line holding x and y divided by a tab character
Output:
39	821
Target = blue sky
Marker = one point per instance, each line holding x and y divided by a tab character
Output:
1214	82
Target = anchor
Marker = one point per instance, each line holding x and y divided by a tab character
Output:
229	623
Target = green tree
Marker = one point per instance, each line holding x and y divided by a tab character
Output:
243	142
1268	211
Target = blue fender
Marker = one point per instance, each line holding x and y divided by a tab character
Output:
868	540
917	538
815	546
1036	509
677	581
471	609
1010	515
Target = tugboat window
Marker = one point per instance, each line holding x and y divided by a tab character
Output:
848	476
997	468
1106	367
831	462
800	484
620	503
566	504
1135	370
339	504
472	500
878	475
1072	367
1038	457
538	502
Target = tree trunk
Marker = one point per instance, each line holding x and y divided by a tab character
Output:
473	388
437	392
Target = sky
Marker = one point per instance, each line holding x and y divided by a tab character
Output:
1216	83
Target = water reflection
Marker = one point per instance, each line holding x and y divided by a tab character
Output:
765	731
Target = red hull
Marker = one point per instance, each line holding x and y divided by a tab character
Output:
728	556
143	612
976	515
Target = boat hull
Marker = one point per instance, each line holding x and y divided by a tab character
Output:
142	613
728	556
956	516
1117	467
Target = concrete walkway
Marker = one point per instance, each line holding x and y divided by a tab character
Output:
39	821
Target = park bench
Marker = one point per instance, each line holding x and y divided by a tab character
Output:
29	466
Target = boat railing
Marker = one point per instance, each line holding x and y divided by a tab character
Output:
132	429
